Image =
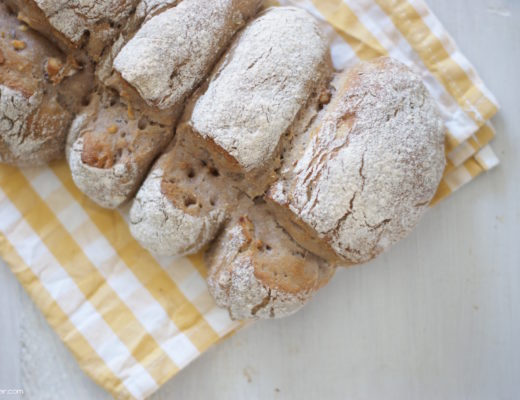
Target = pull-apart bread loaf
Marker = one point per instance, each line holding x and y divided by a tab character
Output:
369	169
40	90
256	270
275	70
177	48
233	136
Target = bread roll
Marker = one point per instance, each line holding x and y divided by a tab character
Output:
178	47
257	271
109	151
40	89
182	203
76	24
275	66
372	164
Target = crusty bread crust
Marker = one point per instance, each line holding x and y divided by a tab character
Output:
244	114
110	153
370	168
257	271
37	83
182	203
74	25
178	47
164	229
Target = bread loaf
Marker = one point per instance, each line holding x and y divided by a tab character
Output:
257	271
277	65
372	164
40	89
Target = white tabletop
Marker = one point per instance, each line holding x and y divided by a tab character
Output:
437	317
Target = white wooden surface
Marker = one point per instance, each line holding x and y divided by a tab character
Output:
438	317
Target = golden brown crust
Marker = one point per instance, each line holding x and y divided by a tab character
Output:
110	150
257	271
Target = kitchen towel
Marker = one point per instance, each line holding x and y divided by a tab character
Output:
133	320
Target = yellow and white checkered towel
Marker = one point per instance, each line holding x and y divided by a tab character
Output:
133	320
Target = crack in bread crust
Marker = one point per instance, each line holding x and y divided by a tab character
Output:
369	169
256	270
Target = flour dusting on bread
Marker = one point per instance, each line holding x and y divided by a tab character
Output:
370	168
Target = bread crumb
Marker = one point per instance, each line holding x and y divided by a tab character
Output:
112	129
23	28
18	44
247	373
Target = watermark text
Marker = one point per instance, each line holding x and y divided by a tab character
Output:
11	392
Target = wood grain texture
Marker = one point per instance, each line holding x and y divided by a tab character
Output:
438	317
